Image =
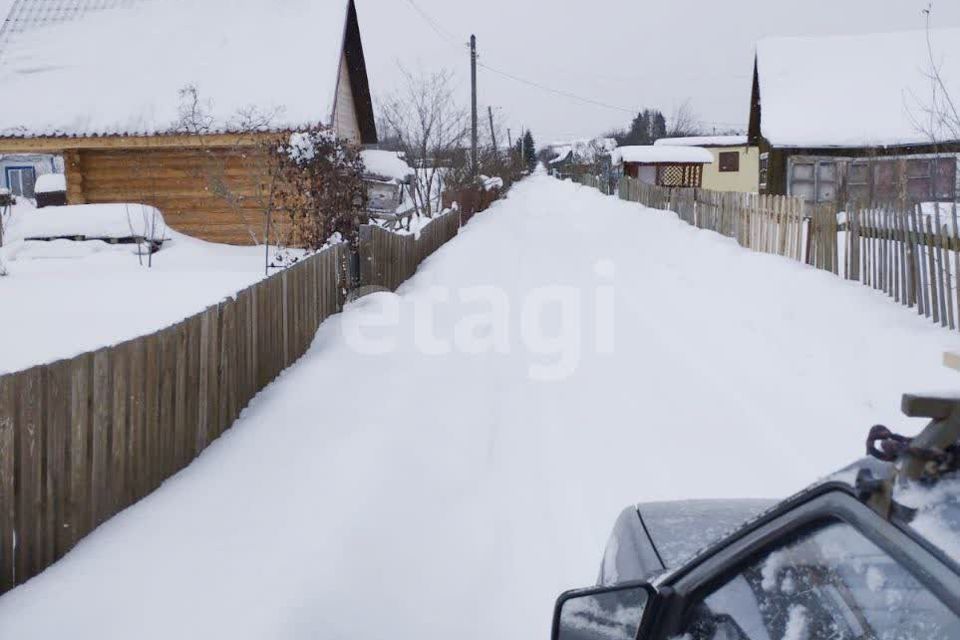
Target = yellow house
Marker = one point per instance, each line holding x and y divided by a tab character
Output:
736	164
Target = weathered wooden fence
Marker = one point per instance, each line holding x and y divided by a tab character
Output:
471	201
910	252
769	224
84	438
388	259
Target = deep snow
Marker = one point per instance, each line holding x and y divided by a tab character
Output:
63	298
411	495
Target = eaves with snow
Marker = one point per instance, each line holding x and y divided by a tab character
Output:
703	141
852	91
651	154
82	68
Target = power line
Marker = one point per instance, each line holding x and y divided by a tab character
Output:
446	35
558	92
440	31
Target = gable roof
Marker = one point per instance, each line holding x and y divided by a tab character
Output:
83	68
849	91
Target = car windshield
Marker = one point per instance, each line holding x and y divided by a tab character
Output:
938	513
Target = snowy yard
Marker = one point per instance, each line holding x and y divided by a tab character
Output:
429	492
63	298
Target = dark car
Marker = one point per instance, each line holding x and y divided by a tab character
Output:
871	553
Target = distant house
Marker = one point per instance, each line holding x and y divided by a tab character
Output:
736	164
109	85
664	166
846	118
578	156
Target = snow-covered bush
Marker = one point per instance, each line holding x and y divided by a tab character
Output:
320	187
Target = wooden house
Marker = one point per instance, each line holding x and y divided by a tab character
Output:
664	166
849	118
736	164
166	102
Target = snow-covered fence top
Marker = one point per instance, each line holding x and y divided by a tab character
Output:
82	439
387	259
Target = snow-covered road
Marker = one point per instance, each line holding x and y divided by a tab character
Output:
427	492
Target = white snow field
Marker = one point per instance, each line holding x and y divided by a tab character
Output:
62	298
418	494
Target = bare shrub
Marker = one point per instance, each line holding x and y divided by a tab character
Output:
320	187
424	120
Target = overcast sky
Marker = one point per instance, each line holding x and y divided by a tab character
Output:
624	53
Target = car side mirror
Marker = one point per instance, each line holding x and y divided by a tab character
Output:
607	613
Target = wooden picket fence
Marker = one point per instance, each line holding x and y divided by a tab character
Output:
769	224
911	253
388	259
908	251
82	439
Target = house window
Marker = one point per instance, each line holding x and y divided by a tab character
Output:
764	167
925	179
729	161
20	181
814	180
858	182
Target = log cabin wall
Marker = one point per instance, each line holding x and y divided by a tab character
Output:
207	193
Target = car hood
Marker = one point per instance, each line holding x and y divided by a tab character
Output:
652	537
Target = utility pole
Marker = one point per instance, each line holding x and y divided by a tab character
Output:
473	102
493	134
509	138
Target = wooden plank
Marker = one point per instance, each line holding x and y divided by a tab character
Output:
57	431
285	321
192	408
955	236
119	425
168	388
29	485
223	367
931	268
100	437
80	516
137	482
946	290
181	423
205	378
151	437
8	499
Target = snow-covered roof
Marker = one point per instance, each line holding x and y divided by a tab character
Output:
27	15
50	183
386	165
852	91
584	150
703	141
119	67
565	153
651	154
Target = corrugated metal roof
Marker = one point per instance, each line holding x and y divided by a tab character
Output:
26	15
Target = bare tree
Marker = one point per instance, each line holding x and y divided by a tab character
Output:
250	127
430	127
684	121
936	117
256	148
